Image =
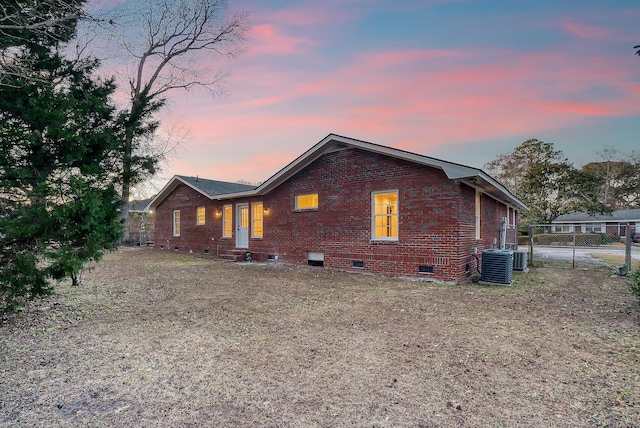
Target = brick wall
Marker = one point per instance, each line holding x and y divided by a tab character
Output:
193	237
436	219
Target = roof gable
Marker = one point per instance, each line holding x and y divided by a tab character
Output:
473	177
206	187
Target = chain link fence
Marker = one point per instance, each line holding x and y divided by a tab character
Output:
568	246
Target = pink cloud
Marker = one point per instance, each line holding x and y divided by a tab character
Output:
585	31
412	99
569	107
265	39
311	14
305	16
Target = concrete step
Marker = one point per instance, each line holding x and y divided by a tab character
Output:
234	255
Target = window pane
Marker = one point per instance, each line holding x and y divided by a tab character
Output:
385	211
200	215
307	202
227	221
593	228
257	219
176	223
244	216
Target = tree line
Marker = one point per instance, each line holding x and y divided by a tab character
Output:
550	185
69	152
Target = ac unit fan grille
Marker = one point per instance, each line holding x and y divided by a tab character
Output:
497	266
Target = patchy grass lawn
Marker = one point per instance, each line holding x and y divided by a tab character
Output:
156	338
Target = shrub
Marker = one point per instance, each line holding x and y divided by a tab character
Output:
566	239
634	285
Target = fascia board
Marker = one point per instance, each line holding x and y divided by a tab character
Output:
245	194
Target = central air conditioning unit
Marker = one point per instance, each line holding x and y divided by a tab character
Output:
497	266
520	260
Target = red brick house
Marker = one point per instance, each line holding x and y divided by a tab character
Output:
347	204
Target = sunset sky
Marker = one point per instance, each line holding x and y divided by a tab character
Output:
459	80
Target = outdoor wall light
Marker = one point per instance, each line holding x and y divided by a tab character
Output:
218	213
266	210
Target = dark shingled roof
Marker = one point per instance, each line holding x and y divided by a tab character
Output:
139	206
618	215
215	187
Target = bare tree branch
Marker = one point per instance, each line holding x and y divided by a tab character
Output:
168	40
176	34
44	22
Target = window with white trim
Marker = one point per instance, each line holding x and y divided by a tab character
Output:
511	217
562	228
384	219
200	215
477	214
307	202
176	223
257	220
227	221
592	228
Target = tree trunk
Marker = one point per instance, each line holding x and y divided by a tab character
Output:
126	170
125	212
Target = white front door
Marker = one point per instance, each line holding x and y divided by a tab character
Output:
242	226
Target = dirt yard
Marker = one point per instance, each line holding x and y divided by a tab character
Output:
154	338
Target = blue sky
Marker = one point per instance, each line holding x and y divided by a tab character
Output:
463	81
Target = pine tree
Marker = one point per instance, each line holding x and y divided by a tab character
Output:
58	145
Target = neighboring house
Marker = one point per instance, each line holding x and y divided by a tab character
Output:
611	224
141	222
347	204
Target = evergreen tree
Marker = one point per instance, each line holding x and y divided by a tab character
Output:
58	142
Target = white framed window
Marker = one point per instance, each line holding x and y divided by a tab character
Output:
200	215
384	218
307	202
227	221
592	228
257	220
478	214
176	223
561	228
511	217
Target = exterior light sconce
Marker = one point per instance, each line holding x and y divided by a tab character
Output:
218	213
266	211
